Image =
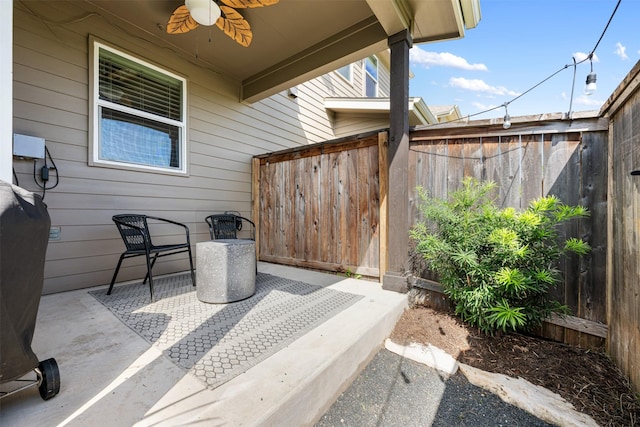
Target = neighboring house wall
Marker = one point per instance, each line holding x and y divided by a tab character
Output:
354	124
51	100
333	85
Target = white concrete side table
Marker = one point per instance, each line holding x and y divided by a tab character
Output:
226	270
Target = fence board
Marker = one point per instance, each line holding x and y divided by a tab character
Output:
472	155
327	190
455	165
363	220
532	146
492	155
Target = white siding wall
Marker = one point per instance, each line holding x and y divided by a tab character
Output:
51	78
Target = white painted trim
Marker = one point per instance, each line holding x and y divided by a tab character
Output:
6	82
96	103
418	110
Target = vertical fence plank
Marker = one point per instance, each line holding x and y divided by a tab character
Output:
352	217
326	212
363	219
594	229
455	170
491	151
472	156
508	177
313	191
255	201
374	208
531	168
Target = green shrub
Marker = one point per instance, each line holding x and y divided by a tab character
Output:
496	265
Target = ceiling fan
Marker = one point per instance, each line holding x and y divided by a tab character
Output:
225	16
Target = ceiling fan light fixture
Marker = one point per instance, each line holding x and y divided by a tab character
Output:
204	12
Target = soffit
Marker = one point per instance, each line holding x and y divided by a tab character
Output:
293	40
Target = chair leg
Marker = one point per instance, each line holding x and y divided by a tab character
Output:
149	270
193	276
113	280
149	275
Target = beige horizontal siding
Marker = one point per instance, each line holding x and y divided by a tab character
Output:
51	100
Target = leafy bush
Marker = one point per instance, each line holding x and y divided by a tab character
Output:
496	265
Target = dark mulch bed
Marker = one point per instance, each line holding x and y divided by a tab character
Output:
587	379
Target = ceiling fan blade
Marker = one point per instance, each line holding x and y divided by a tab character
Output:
243	4
181	21
235	26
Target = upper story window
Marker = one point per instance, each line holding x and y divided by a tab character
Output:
371	76
346	72
139	113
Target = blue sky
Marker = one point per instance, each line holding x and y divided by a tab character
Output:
518	44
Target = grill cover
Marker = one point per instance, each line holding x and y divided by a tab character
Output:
24	235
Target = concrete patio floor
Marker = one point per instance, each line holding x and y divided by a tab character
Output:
111	376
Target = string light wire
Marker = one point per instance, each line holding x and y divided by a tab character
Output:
574	65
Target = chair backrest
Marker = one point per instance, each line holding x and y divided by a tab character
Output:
222	226
134	231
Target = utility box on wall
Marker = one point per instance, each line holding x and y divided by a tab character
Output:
28	147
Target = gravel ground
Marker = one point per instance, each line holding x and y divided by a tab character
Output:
395	391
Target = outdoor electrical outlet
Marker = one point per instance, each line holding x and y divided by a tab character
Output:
54	234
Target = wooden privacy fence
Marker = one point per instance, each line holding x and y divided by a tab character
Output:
537	161
320	206
623	266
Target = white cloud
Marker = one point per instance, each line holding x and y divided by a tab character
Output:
483	107
478	85
583	99
581	56
442	59
588	101
621	51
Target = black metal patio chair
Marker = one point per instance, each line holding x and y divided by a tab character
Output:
134	230
227	226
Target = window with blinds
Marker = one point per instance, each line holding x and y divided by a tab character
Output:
139	113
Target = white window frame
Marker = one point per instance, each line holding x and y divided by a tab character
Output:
367	74
349	70
96	103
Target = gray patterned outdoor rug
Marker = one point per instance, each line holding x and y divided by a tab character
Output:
216	342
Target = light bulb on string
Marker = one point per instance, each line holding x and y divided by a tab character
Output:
506	121
591	87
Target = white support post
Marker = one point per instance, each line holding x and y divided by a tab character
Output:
6	95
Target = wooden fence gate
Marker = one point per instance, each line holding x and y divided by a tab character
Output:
319	206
